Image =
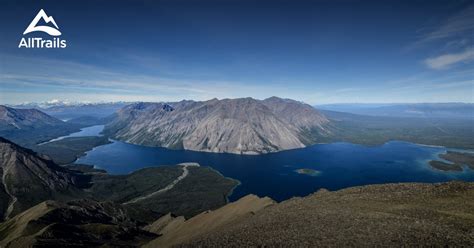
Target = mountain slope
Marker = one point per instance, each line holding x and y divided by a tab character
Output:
112	208
297	113
386	215
28	179
24	119
81	223
175	230
242	126
28	127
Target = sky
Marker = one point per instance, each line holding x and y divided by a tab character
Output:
318	52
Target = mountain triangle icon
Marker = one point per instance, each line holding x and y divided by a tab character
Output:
47	29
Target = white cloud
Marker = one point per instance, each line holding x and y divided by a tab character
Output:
446	60
37	79
461	23
452	31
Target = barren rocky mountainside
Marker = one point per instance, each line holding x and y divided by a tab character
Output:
242	126
11	119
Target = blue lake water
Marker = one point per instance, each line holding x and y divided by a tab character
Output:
340	165
87	131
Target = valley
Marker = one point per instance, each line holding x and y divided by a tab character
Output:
340	165
163	172
356	165
35	189
48	181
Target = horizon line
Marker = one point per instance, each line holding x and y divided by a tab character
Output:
67	102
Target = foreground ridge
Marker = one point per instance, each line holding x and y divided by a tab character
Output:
409	214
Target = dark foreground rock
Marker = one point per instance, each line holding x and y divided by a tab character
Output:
82	223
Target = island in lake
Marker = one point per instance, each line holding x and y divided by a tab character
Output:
309	172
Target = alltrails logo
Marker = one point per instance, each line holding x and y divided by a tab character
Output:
38	42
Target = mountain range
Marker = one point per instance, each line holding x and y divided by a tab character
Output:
68	110
241	126
44	204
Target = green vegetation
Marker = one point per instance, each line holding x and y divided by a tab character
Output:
309	172
67	150
183	189
440	165
122	188
457	159
369	130
202	190
84	169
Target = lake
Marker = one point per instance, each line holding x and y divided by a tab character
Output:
291	173
87	131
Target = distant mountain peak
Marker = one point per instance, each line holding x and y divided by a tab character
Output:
62	103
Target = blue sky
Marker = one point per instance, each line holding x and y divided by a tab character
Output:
314	51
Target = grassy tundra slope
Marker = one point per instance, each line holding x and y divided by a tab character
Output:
379	215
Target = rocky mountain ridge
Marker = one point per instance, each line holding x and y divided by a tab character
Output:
241	126
17	119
